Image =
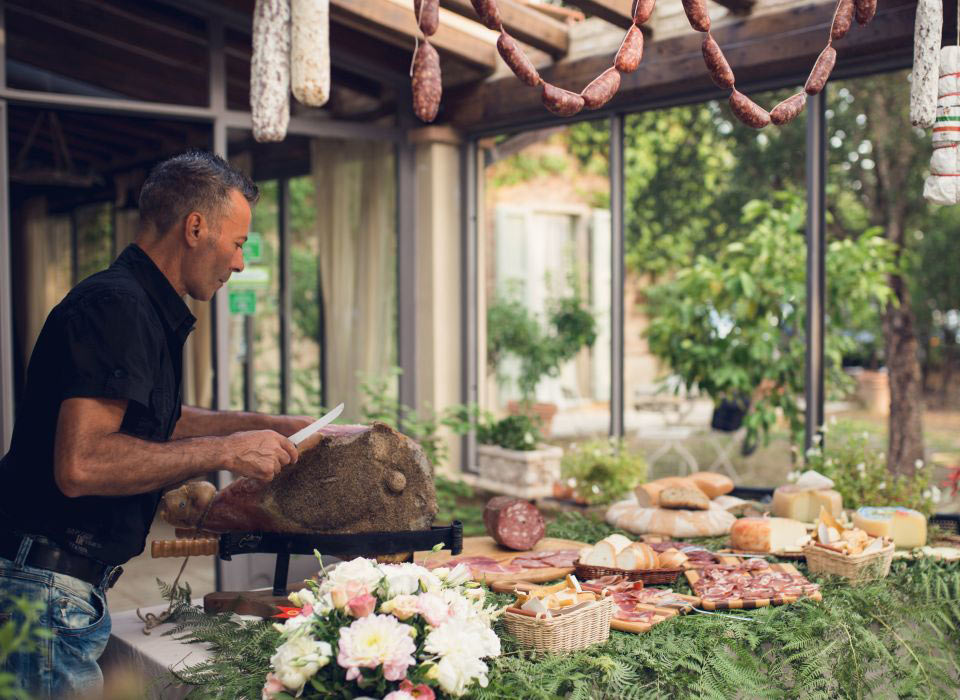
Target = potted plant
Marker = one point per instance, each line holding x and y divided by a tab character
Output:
598	472
512	330
511	459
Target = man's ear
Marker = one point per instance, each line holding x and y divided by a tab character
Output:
194	226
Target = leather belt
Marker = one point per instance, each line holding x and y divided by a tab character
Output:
60	561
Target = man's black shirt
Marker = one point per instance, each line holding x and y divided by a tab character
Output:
119	334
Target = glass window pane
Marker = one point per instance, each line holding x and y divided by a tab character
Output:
714	290
94	230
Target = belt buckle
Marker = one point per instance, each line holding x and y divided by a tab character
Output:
114	574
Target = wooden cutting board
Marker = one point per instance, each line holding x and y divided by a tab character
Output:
487	547
693	575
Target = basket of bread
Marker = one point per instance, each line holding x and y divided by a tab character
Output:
617	555
847	552
562	617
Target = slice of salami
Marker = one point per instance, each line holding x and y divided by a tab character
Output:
513	523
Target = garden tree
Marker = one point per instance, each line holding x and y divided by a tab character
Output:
689	171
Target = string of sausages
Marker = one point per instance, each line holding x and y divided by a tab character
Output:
427	81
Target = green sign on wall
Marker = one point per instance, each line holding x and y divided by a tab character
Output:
253	248
243	302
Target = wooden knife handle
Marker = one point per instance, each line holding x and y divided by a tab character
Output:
183	548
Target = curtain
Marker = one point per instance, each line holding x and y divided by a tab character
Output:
47	270
356	226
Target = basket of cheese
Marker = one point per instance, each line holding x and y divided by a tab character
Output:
848	552
617	555
562	617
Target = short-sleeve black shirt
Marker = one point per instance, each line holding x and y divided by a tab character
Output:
119	334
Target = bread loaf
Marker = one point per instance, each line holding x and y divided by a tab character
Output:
712	484
767	534
648	495
683	498
638	556
673	559
602	554
629	515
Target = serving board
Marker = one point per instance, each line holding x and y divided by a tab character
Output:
793	556
487	547
693	576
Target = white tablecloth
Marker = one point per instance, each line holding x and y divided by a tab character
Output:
148	656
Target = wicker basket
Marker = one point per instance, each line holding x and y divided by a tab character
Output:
576	630
856	567
586	572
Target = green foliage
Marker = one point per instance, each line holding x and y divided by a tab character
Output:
602	471
514	330
734	322
859	472
518	432
522	167
456	500
20	633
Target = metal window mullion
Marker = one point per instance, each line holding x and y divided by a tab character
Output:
469	315
816	259
617	316
286	299
7	380
406	273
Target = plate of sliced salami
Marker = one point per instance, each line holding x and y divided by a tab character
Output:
744	585
551	558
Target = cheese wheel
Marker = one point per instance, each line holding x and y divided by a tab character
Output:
629	515
766	534
712	484
907	528
804	505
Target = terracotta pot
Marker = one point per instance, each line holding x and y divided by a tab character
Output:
542	412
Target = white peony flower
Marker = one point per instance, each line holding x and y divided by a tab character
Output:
434	608
401	579
463	638
298	659
373	641
456	672
457	576
359	572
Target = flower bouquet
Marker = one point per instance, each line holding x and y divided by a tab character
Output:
391	631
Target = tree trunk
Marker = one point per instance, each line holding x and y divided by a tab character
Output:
906	391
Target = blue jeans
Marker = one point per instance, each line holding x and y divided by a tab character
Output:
75	613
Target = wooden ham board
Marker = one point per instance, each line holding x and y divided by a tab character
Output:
487	547
693	575
660	614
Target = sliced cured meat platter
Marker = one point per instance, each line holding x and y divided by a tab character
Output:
737	585
550	559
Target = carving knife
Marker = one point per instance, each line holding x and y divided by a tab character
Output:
301	438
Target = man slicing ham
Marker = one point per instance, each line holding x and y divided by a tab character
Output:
100	430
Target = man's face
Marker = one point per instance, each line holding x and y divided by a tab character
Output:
219	250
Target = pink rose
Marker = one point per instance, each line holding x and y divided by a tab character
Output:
418	692
272	687
356	587
362	605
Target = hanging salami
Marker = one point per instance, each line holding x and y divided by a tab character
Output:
310	51
270	70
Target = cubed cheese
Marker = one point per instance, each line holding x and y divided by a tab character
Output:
907	528
804	505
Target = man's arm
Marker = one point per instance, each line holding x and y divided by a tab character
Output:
91	458
199	422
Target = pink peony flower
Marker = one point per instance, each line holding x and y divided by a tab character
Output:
272	687
362	605
373	641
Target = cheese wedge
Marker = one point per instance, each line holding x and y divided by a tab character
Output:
803	505
907	528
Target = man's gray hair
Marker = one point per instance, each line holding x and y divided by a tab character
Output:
192	181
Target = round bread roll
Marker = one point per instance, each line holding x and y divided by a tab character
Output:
683	498
712	484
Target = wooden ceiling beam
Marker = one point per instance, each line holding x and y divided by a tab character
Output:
771	49
394	21
523	23
618	12
738	7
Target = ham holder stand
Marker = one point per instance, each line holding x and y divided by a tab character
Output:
265	603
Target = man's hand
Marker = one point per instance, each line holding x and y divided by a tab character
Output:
259	454
288	425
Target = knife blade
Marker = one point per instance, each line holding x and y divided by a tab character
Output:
299	437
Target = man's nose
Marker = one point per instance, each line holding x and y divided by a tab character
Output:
237	265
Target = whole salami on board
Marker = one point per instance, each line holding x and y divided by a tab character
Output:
513	522
270	70
310	51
